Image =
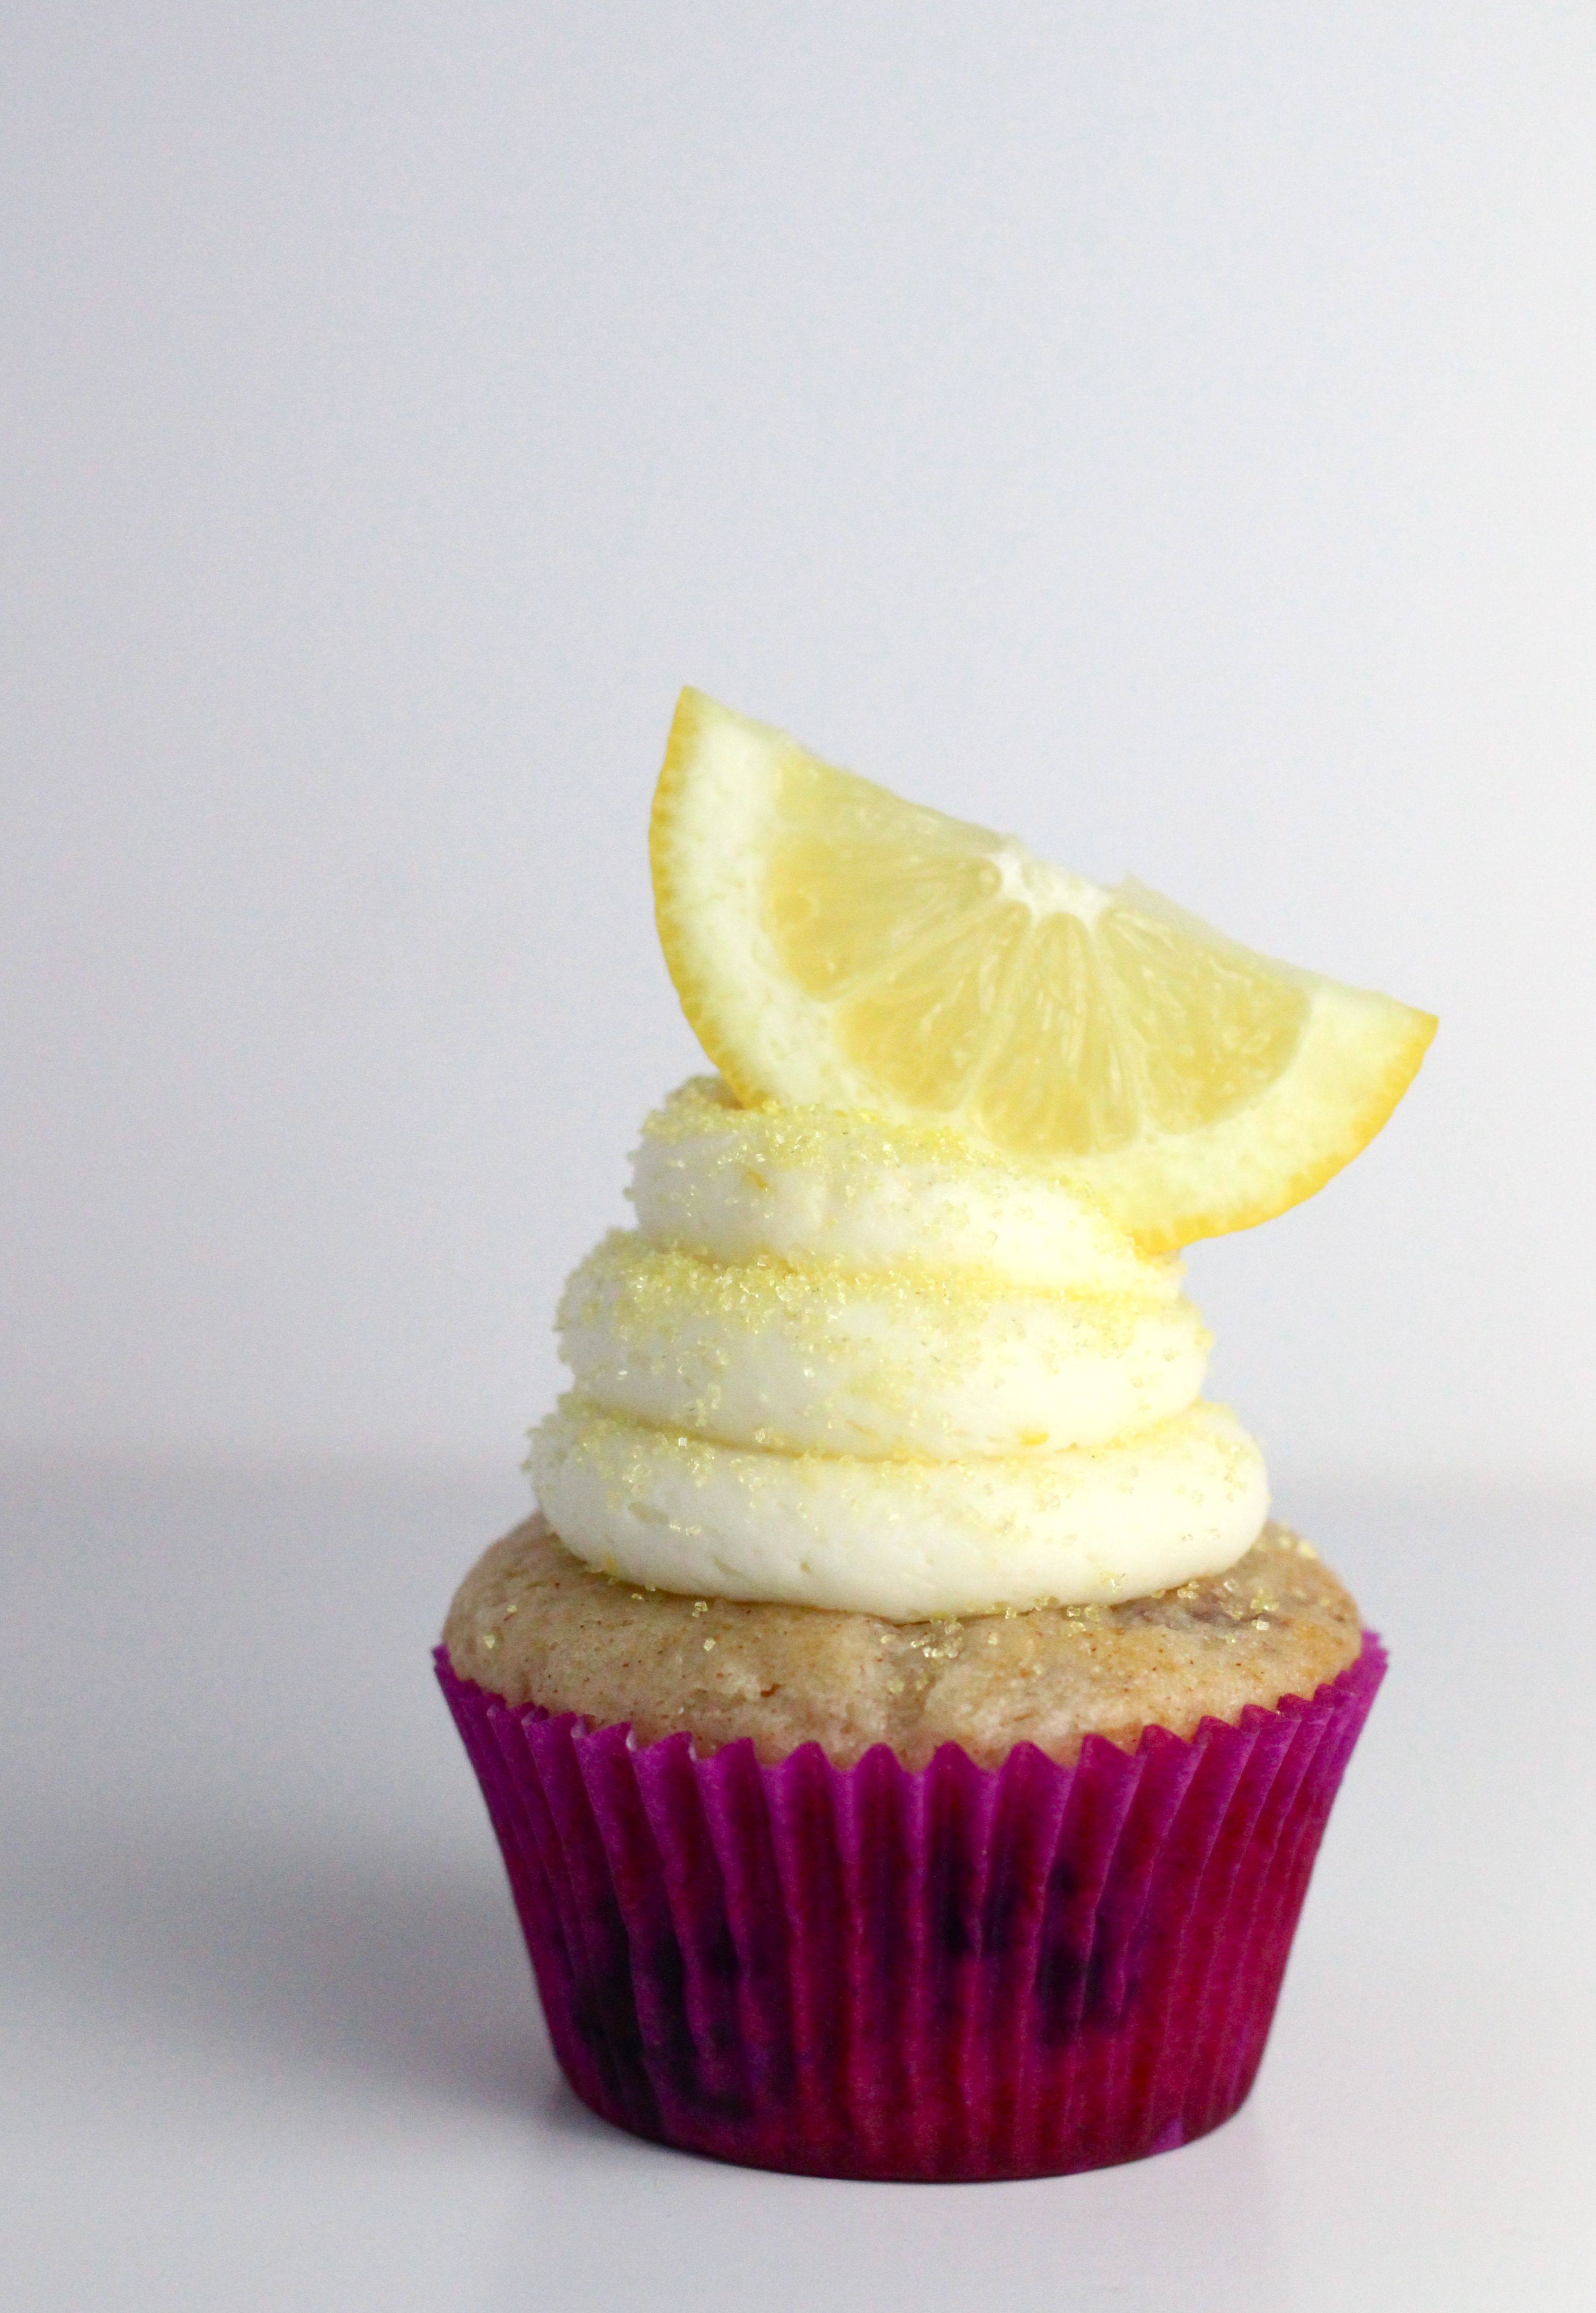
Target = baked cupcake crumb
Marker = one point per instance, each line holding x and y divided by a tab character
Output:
533	1625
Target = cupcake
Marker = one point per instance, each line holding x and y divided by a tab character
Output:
908	1734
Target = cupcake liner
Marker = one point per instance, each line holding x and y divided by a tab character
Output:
952	1973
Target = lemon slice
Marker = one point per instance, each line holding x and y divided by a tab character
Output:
833	946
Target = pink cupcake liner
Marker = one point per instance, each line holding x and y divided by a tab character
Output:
954	1973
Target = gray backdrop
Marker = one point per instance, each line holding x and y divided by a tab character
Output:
1163	431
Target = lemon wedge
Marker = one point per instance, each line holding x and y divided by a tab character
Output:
835	946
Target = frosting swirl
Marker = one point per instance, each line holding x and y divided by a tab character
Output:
848	1365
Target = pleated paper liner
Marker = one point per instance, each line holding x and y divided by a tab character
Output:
953	1973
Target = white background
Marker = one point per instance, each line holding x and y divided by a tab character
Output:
1164	431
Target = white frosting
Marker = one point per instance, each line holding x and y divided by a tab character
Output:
849	1364
910	1364
810	1185
902	1539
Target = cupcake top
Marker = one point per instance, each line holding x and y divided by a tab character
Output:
899	1332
